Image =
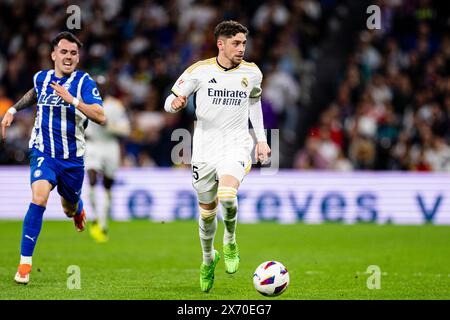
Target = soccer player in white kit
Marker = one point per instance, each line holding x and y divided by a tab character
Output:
103	156
226	92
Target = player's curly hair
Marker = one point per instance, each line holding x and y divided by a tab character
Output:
69	36
229	28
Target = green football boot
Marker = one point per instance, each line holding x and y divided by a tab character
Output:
231	257
207	273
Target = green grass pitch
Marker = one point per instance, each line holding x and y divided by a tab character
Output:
149	260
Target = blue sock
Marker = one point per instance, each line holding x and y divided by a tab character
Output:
80	207
32	225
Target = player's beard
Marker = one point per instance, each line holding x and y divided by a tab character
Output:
66	70
237	60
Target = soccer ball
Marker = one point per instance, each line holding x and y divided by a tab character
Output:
271	278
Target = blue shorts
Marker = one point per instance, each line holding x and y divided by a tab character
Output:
67	174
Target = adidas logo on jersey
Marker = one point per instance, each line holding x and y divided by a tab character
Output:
212	81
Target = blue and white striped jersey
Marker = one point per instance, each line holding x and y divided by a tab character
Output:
59	127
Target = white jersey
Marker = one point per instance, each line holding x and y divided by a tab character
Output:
117	124
221	99
102	144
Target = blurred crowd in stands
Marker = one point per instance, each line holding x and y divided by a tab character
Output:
390	111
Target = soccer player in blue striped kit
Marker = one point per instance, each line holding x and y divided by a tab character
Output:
66	99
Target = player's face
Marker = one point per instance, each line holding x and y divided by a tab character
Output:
234	48
66	57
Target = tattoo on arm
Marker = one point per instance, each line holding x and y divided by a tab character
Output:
27	100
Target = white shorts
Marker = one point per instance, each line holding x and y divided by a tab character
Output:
104	158
205	176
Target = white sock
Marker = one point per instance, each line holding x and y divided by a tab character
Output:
103	217
207	231
26	260
93	202
230	222
228	200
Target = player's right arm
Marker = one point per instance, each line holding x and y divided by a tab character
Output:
185	85
174	104
26	101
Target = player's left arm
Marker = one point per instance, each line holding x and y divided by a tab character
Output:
262	149
91	106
